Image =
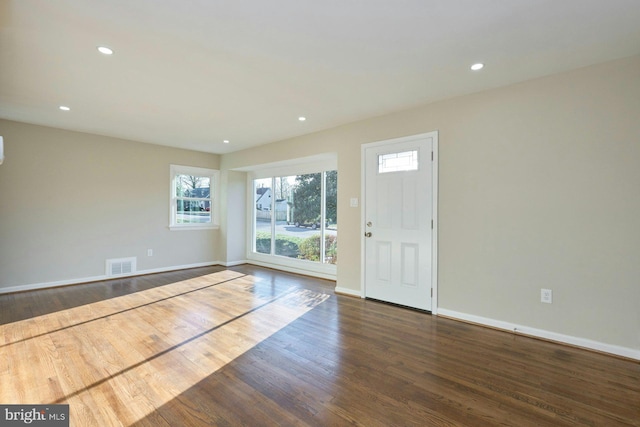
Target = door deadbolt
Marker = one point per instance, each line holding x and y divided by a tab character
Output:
369	224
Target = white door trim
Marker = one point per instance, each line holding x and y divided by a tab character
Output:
434	239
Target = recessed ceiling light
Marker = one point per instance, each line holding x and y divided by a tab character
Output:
302	118
477	67
64	108
226	141
105	50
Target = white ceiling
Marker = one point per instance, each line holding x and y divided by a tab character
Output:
193	73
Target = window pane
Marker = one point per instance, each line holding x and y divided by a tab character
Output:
331	218
193	186
262	215
306	200
396	162
306	207
193	212
288	237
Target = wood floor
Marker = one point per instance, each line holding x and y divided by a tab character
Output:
256	347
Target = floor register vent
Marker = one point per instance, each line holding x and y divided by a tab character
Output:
121	266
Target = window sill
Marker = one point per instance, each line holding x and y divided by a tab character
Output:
327	271
193	227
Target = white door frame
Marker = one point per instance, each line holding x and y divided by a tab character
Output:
434	214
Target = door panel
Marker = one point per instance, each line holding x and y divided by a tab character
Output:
398	213
410	265
410	203
383	261
384	208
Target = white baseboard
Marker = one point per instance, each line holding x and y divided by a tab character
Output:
288	269
232	263
347	291
540	333
173	268
34	286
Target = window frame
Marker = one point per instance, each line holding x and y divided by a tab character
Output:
213	199
288	168
411	167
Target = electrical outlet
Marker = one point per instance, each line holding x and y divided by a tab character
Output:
149	252
546	296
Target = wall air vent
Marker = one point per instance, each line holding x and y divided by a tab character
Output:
121	267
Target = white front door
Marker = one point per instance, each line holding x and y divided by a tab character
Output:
398	214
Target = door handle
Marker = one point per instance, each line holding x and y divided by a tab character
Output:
367	234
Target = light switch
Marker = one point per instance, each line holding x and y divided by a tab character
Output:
353	202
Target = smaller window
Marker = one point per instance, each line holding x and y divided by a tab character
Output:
193	201
398	162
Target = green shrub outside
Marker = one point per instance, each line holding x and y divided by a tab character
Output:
263	242
310	248
331	248
297	247
285	245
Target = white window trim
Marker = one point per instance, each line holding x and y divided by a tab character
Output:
214	192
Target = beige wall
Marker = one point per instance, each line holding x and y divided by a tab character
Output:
539	188
233	228
70	200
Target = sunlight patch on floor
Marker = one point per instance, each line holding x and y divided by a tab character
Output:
116	361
